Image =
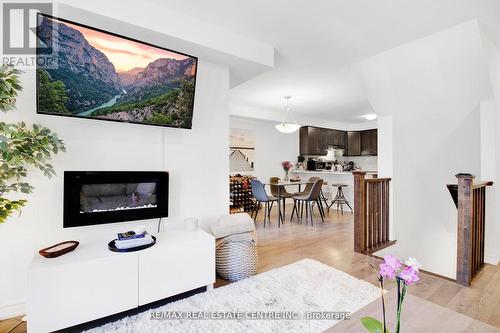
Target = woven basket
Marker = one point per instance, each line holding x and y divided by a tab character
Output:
236	257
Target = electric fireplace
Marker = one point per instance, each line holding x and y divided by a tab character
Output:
98	197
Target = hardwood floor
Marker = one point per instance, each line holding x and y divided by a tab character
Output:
13	325
332	243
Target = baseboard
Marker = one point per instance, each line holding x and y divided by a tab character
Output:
493	260
12	310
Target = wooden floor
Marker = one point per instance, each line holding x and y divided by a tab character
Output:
332	243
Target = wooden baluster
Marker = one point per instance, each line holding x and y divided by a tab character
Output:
370	216
382	208
481	226
373	213
380	186
377	213
479	211
387	196
483	223
474	232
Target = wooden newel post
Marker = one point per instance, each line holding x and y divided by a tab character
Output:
359	212
464	229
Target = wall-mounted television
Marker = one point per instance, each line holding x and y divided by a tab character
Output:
96	74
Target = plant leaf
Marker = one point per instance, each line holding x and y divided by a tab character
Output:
373	325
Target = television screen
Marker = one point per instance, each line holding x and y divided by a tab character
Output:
100	75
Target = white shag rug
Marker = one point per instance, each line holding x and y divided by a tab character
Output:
306	285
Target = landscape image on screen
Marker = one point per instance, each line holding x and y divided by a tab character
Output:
103	76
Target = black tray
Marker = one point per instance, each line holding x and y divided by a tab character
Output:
112	246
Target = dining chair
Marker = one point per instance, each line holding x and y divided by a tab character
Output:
307	190
308	199
309	185
282	193
260	195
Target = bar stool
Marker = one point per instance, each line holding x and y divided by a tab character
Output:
340	199
323	196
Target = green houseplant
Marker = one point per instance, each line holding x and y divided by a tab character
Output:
21	147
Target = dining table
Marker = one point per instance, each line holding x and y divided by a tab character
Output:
281	185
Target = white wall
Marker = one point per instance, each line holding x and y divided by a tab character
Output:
385	161
271	146
488	172
432	89
491	138
197	160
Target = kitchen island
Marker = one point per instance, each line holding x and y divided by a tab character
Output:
334	177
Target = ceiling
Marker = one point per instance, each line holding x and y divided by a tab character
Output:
316	41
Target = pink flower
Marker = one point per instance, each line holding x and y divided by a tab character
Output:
409	275
287	165
393	262
387	271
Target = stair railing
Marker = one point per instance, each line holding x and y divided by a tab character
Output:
371	213
471	204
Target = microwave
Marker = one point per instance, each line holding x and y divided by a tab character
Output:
320	165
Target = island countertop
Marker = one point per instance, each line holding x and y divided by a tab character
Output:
329	172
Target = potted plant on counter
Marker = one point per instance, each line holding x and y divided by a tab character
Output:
300	162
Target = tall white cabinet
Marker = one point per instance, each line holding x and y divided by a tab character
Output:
93	282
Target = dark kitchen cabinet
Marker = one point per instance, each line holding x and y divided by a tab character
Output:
335	138
316	140
320	144
361	143
353	144
369	142
304	140
312	141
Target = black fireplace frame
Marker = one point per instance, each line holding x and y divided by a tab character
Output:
73	181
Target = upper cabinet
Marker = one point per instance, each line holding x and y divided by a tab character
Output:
369	142
316	141
313	140
353	144
335	138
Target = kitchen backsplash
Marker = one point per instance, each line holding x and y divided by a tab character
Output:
363	162
368	163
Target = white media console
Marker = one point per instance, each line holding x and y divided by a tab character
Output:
92	282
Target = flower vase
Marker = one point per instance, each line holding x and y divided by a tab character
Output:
286	176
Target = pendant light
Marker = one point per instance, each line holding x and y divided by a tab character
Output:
289	124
